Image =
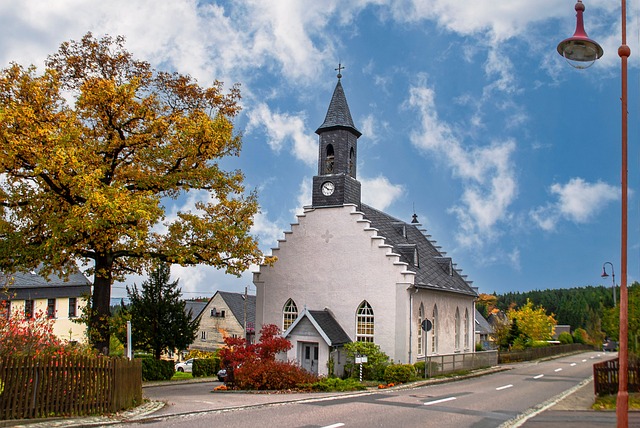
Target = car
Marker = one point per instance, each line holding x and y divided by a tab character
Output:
610	346
185	366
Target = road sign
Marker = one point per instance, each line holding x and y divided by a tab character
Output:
426	325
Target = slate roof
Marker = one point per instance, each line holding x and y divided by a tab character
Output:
324	322
482	325
235	302
31	285
330	326
338	114
196	308
433	269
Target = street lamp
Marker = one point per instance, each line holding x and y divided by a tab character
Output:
581	49
613	279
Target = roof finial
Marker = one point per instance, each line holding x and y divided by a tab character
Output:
339	69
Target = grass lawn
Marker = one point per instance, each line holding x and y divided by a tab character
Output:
608	402
181	376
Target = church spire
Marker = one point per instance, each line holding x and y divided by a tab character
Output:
338	114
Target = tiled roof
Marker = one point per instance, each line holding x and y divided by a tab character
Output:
331	328
235	301
482	325
433	269
338	114
195	306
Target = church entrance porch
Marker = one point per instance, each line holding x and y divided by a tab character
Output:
308	356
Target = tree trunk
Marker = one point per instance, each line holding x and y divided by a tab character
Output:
100	313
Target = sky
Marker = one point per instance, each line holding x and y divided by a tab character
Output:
510	157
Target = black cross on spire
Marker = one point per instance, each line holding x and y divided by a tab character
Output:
339	69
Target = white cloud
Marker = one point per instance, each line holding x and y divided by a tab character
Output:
577	201
487	172
379	192
282	128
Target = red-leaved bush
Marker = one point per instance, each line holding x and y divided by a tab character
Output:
254	366
32	337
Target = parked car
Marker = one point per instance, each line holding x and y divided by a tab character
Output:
610	346
185	366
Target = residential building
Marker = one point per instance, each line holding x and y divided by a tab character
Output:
61	299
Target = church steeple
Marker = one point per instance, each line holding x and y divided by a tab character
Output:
336	182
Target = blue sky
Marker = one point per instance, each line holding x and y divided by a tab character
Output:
509	157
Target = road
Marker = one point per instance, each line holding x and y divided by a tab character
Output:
494	400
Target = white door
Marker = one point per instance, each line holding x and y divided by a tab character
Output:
310	357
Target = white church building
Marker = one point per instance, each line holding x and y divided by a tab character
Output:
349	272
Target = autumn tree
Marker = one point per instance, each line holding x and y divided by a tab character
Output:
158	318
92	149
533	322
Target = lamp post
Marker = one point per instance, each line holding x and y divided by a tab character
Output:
613	279
582	50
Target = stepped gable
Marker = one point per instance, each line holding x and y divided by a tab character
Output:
430	270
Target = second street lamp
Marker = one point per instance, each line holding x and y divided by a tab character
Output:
613	279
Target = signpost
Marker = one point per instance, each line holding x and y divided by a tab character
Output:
426	326
361	359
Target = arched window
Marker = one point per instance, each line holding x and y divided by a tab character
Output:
289	314
329	160
457	329
466	329
420	331
434	330
364	323
351	162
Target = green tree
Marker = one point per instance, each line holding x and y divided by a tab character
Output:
87	179
159	322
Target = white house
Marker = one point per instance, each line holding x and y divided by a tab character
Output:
349	272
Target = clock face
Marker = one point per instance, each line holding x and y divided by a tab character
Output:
328	188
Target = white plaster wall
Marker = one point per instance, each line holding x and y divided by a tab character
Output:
333	259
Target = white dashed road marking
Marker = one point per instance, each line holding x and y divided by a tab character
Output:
429	403
500	388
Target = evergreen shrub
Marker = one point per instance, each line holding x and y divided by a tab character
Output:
399	373
565	338
153	369
203	367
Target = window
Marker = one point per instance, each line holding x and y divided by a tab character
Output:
434	329
72	307
5	308
420	331
364	323
51	308
457	329
351	162
289	314
330	160
466	329
28	308
203	335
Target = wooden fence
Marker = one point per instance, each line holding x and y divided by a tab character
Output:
67	386
605	377
535	353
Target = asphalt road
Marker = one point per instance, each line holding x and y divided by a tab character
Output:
507	399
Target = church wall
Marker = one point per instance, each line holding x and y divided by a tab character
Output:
329	260
447	304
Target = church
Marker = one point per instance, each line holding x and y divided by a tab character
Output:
349	272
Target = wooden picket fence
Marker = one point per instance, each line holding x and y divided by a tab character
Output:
605	376
67	386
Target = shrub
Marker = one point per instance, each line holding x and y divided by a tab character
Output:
399	373
153	369
271	375
565	338
337	384
538	344
203	367
580	335
376	363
